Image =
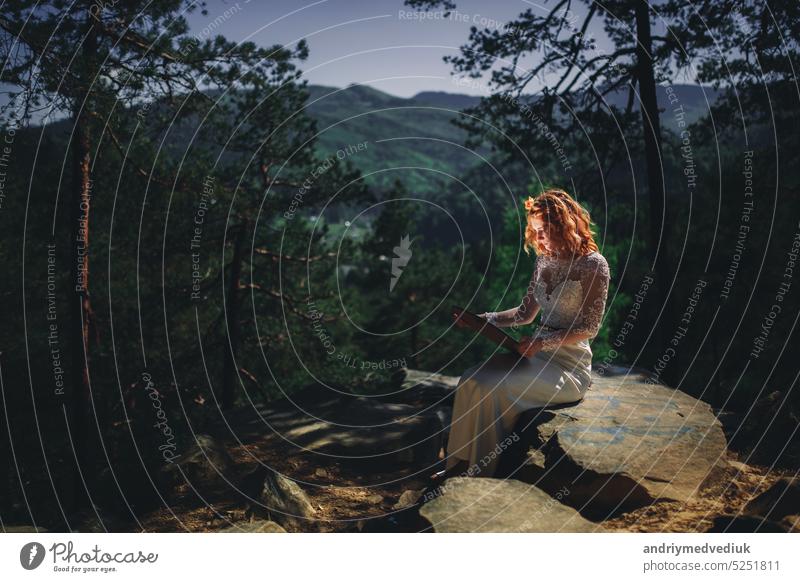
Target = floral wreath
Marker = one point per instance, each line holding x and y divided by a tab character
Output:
529	204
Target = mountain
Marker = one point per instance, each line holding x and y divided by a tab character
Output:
410	140
449	100
413	139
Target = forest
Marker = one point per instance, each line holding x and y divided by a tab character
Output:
191	228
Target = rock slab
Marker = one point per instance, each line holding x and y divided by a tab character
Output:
257	526
628	443
470	504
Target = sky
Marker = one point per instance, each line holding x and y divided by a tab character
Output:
381	43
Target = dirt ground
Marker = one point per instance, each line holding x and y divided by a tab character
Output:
348	500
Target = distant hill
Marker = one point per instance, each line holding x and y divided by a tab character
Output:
449	100
404	132
694	98
412	139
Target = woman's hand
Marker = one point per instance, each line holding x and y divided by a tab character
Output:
529	346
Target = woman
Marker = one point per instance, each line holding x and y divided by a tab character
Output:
569	286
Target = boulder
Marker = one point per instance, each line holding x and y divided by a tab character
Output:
283	501
469	504
408	498
628	443
779	501
256	526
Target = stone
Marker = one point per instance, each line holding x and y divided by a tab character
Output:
470	504
256	526
777	502
408	498
283	501
627	444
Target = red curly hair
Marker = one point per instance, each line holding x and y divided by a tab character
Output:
567	221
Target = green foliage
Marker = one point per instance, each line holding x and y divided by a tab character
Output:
348	271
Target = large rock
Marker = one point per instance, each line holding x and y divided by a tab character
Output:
408	498
256	526
281	500
469	504
627	444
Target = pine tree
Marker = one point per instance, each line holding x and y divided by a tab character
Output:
95	63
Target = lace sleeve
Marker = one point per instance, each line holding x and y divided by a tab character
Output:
593	274
528	307
523	314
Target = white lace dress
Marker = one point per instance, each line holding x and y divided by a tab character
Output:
571	296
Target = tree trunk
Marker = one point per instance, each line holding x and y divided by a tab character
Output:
80	305
81	417
652	146
233	312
